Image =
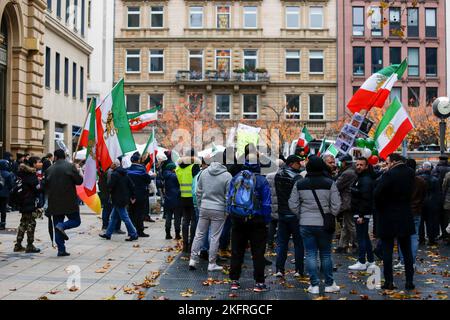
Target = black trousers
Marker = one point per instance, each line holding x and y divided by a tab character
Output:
174	213
430	223
3	204
388	248
137	212
189	223
242	232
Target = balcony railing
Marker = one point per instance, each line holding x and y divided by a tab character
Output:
222	76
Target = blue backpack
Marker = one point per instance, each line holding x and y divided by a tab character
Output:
241	199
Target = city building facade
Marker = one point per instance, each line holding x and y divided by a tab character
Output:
370	38
238	58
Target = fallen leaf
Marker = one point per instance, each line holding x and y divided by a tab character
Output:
322	298
128	290
430	281
111	298
364	297
74	288
169	259
43	298
136	246
232	295
442	297
353	292
188	293
104	269
440	292
54	291
141	295
342	298
160	298
13	289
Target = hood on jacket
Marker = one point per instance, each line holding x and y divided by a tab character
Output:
252	167
24	168
4	165
184	162
137	169
216	169
121	171
7	156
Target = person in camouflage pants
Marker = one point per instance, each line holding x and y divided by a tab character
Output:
28	226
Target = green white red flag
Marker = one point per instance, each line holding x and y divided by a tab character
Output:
114	137
152	148
140	120
90	168
323	147
393	128
305	138
375	90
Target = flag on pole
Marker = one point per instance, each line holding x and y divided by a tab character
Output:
393	128
304	139
114	137
375	90
332	150
152	148
323	147
140	120
90	168
84	137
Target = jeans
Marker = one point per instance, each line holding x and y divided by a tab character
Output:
414	242
348	231
212	221
3	204
285	230
173	213
118	214
224	242
106	214
272	231
74	221
255	231
316	239
364	243
388	248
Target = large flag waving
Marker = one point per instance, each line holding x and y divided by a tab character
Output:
393	128
375	90
90	169
305	138
84	137
113	129
152	148
140	120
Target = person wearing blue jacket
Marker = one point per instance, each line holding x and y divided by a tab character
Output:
8	178
251	229
172	200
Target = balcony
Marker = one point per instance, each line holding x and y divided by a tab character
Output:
216	78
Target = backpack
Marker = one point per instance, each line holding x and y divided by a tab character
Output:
18	193
242	199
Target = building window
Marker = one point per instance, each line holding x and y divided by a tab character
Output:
157	17
355	89
292	61
133	61
75	15
292	17
394	21
376	24
74	80
413	62
250	17
66	76
134	17
196	17
396	92
413	96
157	60
358	21
49	5
223	106
67	11
81	83
413	22
58	8
83	8
358	61
432	94
431	61
196	64
316	17
57	72
316	61
377	59
250	60
133	102
430	23
292	106
395	55
316	107
48	57
156	101
223	61
223	14
250	106
89	13
196	102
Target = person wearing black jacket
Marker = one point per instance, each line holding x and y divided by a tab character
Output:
392	197
141	207
122	193
288	223
362	208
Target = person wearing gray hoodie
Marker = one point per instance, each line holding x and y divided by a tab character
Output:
212	187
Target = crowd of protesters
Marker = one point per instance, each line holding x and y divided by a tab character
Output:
221	205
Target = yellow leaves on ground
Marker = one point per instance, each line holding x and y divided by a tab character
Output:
73	289
104	269
170	258
188	293
211	281
322	298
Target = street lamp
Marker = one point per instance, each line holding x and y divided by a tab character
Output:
441	109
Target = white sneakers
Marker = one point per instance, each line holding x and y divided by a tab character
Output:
192	264
332	288
279	274
214	267
313	290
358	266
399	266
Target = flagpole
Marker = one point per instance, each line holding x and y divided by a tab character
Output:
79	139
154	162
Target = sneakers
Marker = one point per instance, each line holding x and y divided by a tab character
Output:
235	285
358	266
313	289
298	274
192	265
279	274
260	287
63	254
19	248
143	235
32	249
333	288
214	267
131	238
399	267
104	236
371	265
